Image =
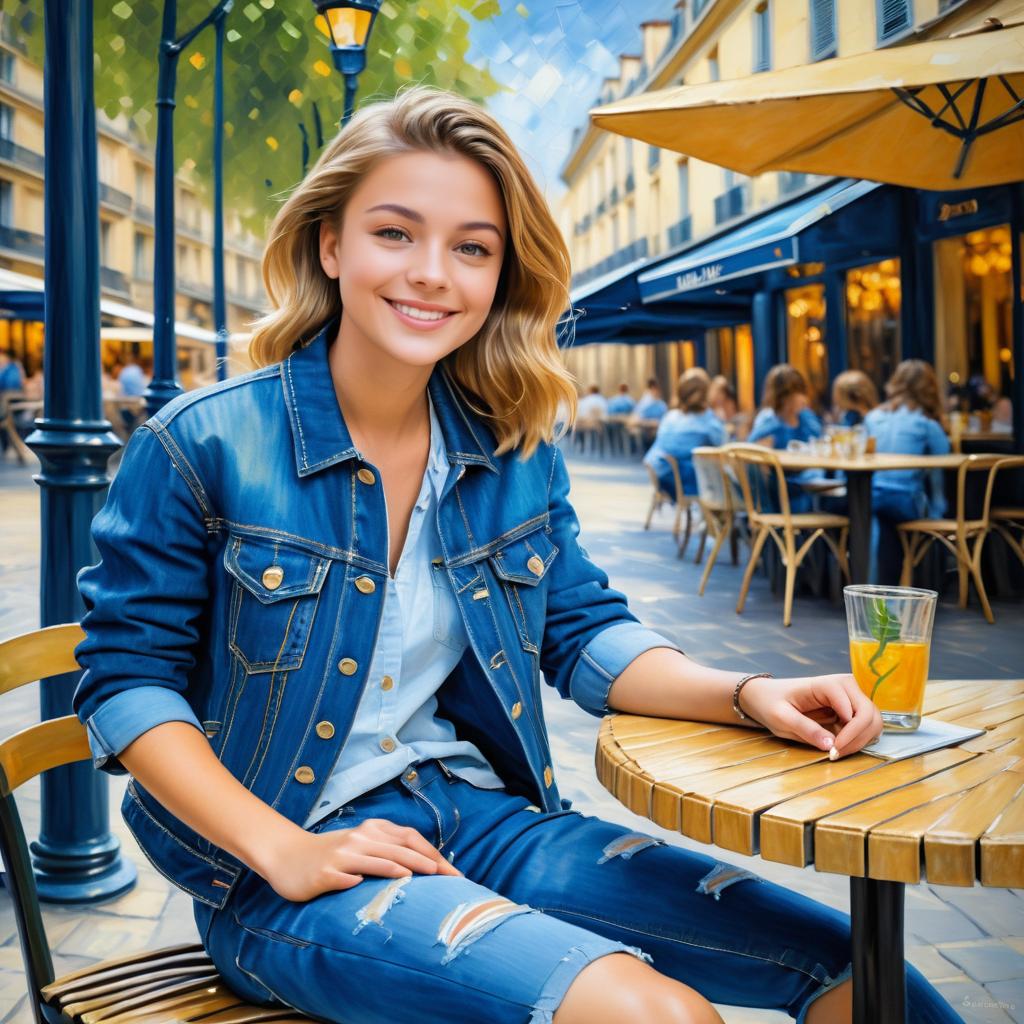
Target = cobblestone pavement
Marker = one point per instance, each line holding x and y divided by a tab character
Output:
969	942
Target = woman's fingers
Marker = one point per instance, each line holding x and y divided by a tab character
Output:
793	724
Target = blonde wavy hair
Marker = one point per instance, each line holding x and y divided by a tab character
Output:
510	372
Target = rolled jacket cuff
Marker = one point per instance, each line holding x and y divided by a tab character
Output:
127	715
605	658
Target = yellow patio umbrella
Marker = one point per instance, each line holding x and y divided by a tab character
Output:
942	114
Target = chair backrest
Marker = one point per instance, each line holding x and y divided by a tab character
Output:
761	479
991	464
714	488
673	464
40	655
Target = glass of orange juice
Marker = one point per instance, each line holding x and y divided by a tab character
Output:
890	637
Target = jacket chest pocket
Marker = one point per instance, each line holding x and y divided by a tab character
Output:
273	601
521	567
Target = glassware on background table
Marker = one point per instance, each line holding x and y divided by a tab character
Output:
890	631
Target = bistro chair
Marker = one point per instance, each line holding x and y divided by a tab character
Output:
766	497
682	502
964	537
720	506
1009	524
174	985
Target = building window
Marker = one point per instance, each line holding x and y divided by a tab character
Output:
631	221
730	354
105	243
762	37
973	322
894	17
873	320
714	73
7	65
653	157
805	334
684	188
6	121
823	29
6	203
142	267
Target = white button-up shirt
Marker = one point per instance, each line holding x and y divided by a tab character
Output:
421	639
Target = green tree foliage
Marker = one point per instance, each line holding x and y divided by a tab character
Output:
277	68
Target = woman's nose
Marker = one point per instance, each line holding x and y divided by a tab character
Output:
429	268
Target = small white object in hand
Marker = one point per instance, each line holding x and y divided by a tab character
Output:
833	754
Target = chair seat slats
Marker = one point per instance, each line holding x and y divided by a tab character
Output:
124	977
167	993
177	1008
107	995
146	959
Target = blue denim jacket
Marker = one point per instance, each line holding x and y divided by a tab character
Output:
243	552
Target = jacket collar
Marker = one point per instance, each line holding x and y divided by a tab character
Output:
319	435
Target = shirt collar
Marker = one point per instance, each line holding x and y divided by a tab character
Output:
319	435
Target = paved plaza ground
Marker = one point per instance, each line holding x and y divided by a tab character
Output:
969	942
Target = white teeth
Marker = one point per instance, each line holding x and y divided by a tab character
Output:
419	314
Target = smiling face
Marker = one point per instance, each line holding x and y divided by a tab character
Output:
417	258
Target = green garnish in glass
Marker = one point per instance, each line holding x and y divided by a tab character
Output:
885	628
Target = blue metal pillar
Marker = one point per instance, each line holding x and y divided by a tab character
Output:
835	323
76	859
917	310
764	327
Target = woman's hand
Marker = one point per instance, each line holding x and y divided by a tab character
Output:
307	864
824	711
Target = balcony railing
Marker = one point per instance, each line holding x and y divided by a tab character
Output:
680	232
24	243
730	203
791	181
194	289
115	197
112	280
144	213
189	228
27	158
627	254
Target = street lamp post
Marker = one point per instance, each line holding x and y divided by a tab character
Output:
164	384
348	24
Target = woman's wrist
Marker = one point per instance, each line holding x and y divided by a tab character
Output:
741	702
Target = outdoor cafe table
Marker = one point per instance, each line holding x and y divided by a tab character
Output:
858	470
952	816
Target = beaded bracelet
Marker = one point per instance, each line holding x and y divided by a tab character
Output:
740	713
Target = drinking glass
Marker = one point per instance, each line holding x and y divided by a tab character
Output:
890	631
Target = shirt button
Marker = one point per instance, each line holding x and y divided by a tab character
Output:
324	730
387	744
548	777
366	476
304	774
536	566
273	577
365	585
517	709
386	683
347	667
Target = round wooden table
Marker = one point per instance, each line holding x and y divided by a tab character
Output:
954	816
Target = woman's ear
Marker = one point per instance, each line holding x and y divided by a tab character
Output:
329	249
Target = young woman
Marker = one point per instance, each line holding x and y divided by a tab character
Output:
854	395
910	422
326	592
688	426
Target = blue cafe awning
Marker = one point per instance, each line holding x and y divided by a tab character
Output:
778	238
609	309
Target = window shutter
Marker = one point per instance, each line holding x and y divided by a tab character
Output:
893	17
823	29
762	38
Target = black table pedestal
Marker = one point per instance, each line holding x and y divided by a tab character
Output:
879	973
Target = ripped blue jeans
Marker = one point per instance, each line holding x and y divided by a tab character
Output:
543	896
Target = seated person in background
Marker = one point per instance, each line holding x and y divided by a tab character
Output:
785	416
593	406
722	401
1002	416
651	405
689	426
854	395
622	403
908	423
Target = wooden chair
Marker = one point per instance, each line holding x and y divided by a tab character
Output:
963	537
766	497
174	985
718	500
682	502
1009	523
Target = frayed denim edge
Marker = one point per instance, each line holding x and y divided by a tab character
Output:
835	982
565	972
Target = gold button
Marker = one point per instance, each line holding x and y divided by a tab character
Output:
273	577
517	709
386	683
304	774
437	560
366	476
365	585
410	776
548	777
536	566
324	730
347	667
387	744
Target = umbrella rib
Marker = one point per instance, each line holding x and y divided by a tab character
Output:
951	99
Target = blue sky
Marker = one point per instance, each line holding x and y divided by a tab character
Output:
552	56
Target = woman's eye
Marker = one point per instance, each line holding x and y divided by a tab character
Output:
391	234
479	250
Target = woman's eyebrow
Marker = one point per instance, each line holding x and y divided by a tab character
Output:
404	211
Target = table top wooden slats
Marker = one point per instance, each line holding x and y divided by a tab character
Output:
871	463
954	816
